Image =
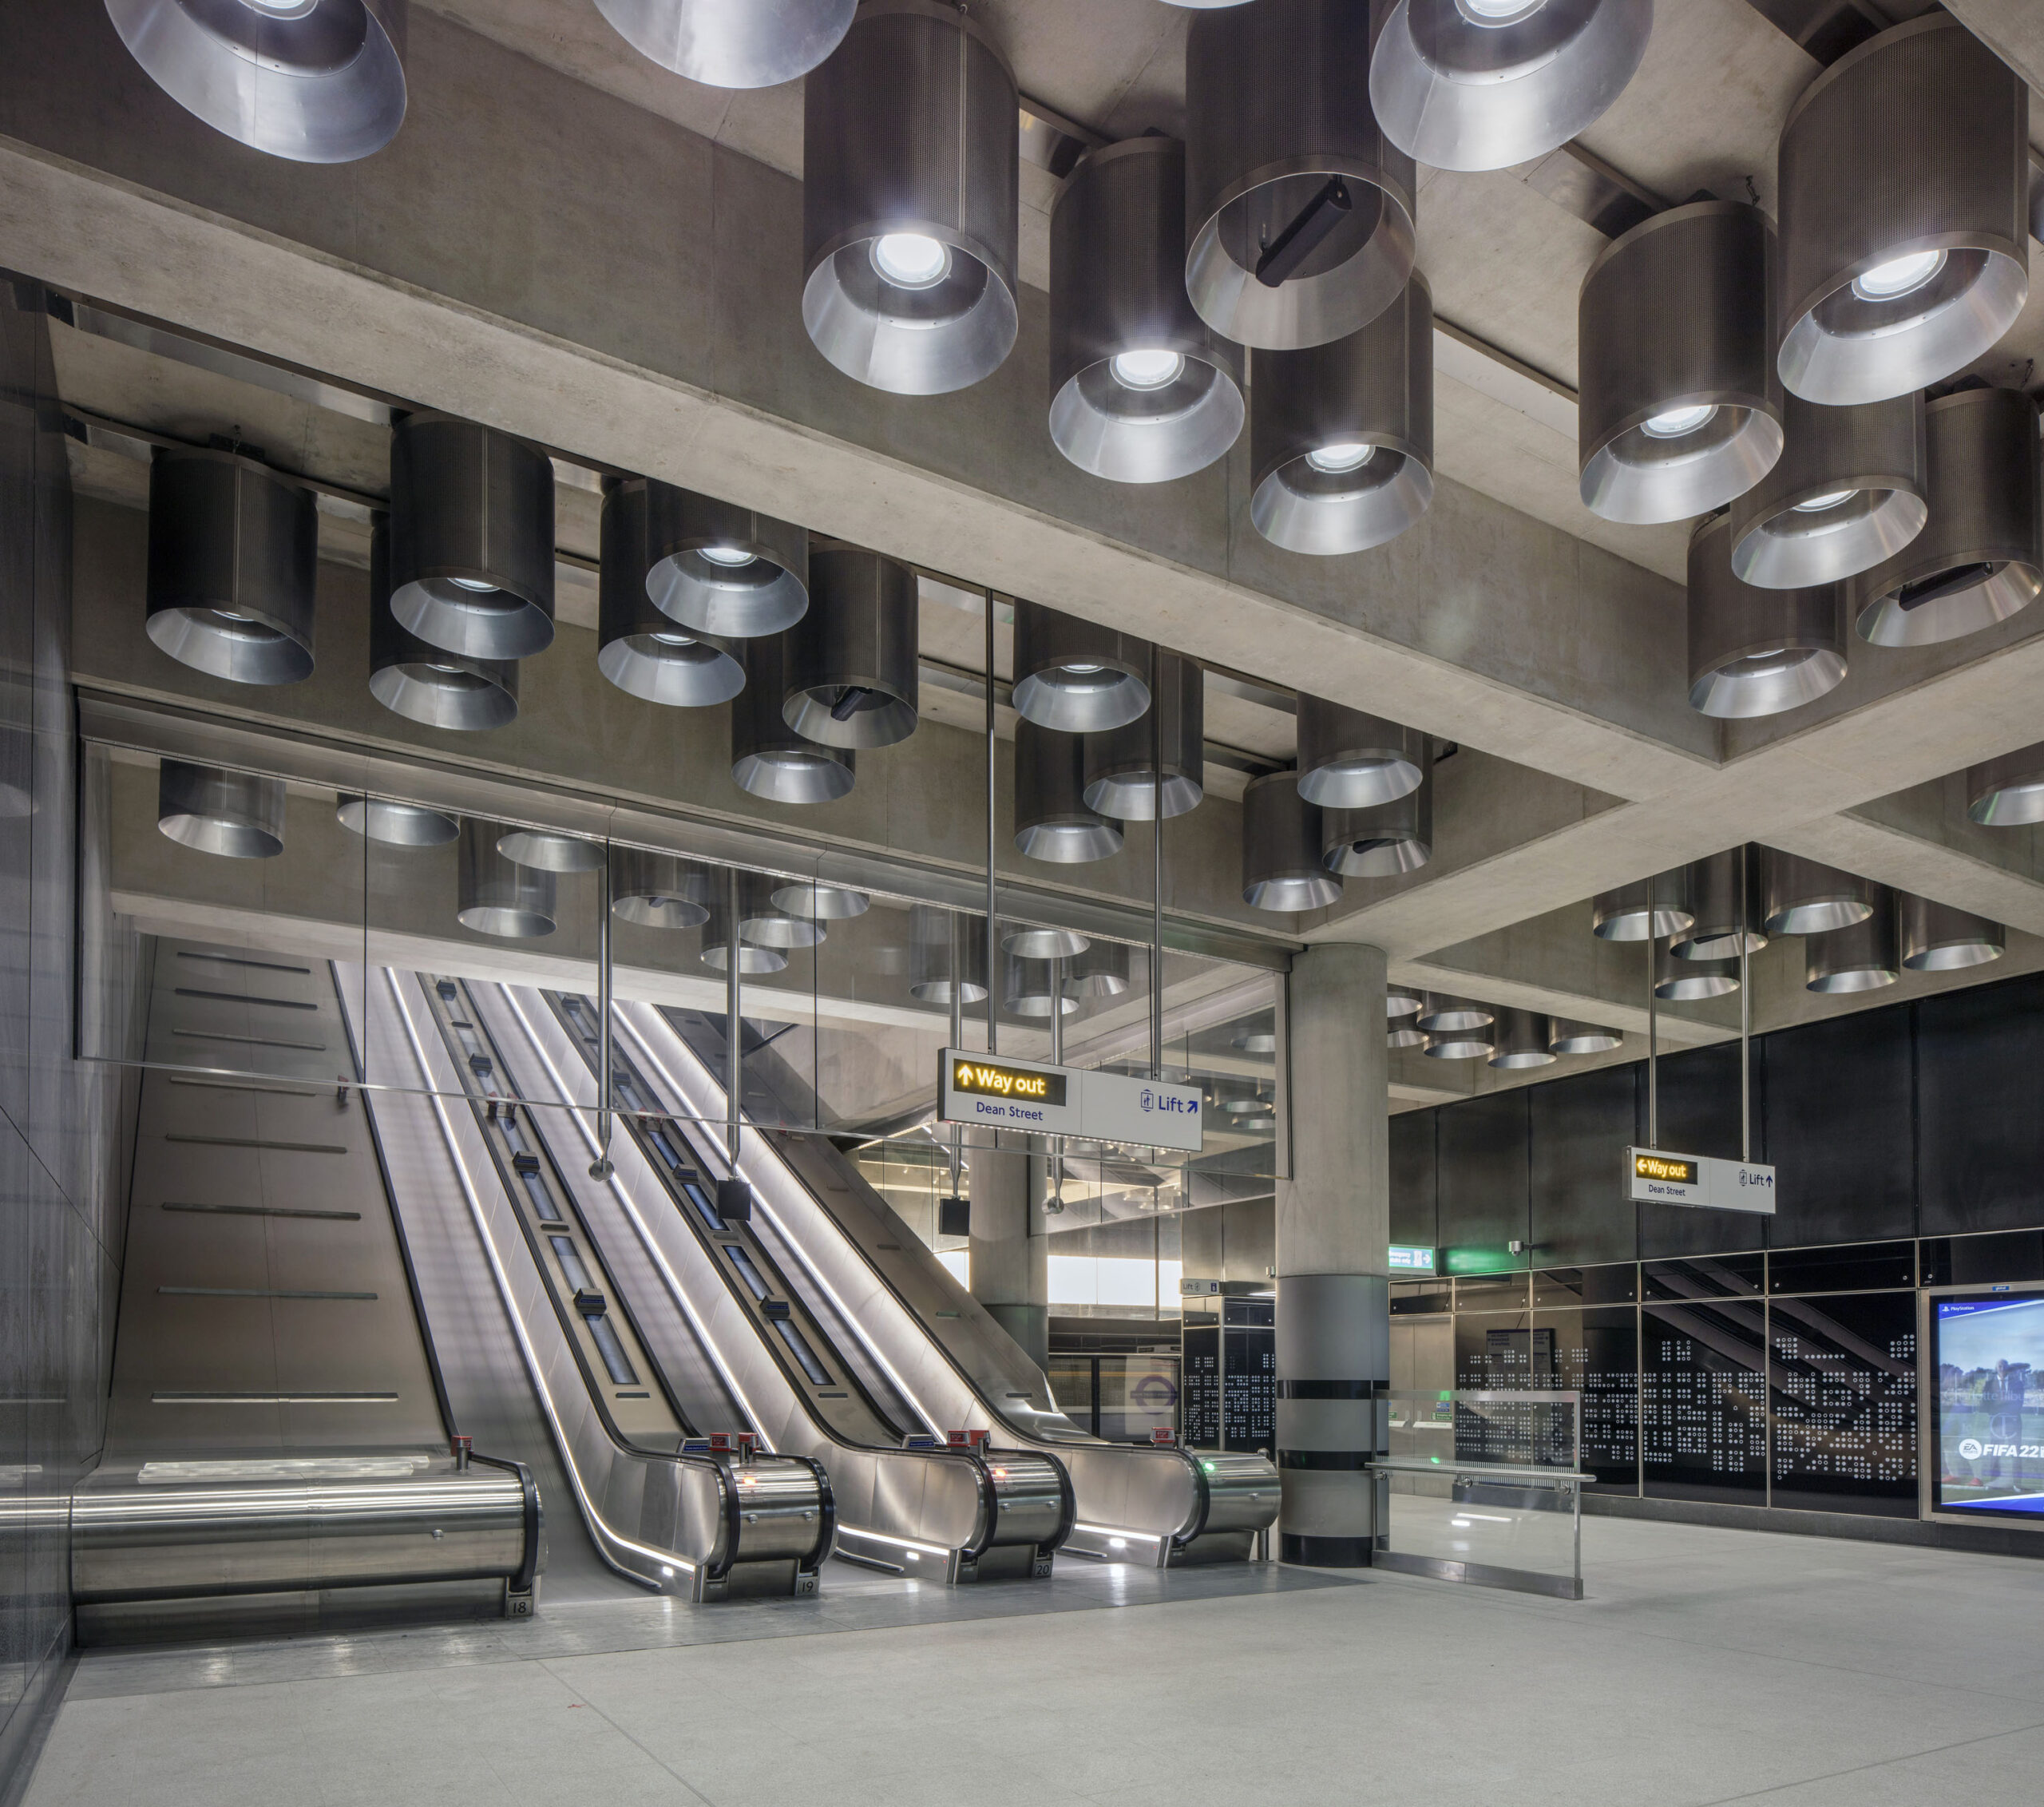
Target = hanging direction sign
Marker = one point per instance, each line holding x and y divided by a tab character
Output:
1655	1177
1003	1094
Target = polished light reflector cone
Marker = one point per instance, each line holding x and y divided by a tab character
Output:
234	814
1647	909
947	950
1026	990
657	890
1849	491
1937	938
852	669
1281	841
1121	765
395	825
819	903
471	538
1101	969
1572	1038
732	43
1804	896
1074	676
424	683
716	568
1404	1035
549	851
1141	389
909	221
1300	210
1756	651
1981	557
1341	435
1350	760
1860	957
1681	978
1904	202
1035	941
2007	792
764	923
497	896
317	82
1522	1040
769	758
1440	1014
1052	820
1681	410
1385	839
645	653
1399	1000
754	960
234	557
1460	1044
1726	907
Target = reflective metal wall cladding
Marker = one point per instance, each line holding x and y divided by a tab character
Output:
1282	841
2007	792
852	670
1121	766
1680	410
732	43
495	895
234	560
1385	839
1052	820
471	538
1904	194
1861	957
1484	84
717	568
1937	938
645	653
1076	676
1647	909
1349	760
396	825
1142	390
1756	651
1681	978
1341	435
909	221
658	890
233	813
769	758
423	683
1523	1040
321	81
1299	209
947	952
1724	904
1981	557
1803	897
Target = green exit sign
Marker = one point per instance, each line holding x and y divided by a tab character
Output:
1406	1260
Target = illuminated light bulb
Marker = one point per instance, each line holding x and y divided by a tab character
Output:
1831	498
1679	423
478	586
1899	276
910	259
1145	369
1343	455
732	556
1491	14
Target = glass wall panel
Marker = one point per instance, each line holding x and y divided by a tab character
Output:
1703	1405
1843	1392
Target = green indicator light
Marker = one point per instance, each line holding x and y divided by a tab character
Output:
1208	1467
1435	1460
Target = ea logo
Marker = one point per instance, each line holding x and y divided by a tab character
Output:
1149	1098
1969	1449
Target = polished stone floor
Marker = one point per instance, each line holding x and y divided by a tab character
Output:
1705	1667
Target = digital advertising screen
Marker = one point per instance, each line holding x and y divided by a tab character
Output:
1989	1353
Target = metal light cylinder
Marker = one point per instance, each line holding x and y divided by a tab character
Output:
720	570
1039	940
1479	84
763	922
1300	210
754	960
2007	791
1404	1035
1026	990
1076	676
471	537
427	683
820	903
322	82
1905	182
1350	760
1756	651
1522	1040
732	43
657	890
909	208
947	951
1726	907
1647	909
852	670
495	895
1401	1000
1141	389
1053	821
547	851
1460	1044
234	561
1862	957
769	758
1935	938
1440	1014
1341	435
1681	409
237	814
1981	557
395	825
644	652
1100	970
1681	978
1120	767
1573	1037
1282	840
1848	493
1385	839
1805	896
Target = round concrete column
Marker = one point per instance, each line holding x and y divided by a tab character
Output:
1333	1238
1011	1275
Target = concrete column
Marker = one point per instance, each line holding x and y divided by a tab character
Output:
1011	1274
1333	1237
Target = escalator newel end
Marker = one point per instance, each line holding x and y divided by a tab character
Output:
734	1201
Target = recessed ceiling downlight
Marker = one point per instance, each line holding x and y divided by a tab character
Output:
1899	276
1679	423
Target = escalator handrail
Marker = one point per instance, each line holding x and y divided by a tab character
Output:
529	1569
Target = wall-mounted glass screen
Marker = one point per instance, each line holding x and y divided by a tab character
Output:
1987	1350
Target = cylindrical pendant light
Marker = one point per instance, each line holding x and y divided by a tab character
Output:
1282	841
1937	938
1440	1014
732	43
1804	896
1905	182
763	921
1848	493
1863	956
657	890
314	81
1100	970
234	559
908	212
1754	651
426	683
1349	760
237	814
820	903
2007	791
1142	390
1680	411
644	652
548	851
1681	978
1076	676
1572	1038
1299	209
1026	990
1052	821
947	950
852	670
1037	941
1403	1035
1341	435
1121	766
496	895
1402	1001
1726	906
720	569
1460	1044
1647	909
754	959
1981	557
395	825
471	538
769	758
1521	1041
1385	839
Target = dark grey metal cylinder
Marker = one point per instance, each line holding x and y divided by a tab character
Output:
1341	435
424	683
237	815
645	653
769	758
1936	938
2007	791
1680	411
234	562
495	895
1076	676
852	671
1682	978
947	952
1349	760
1099	969
1440	1013
1574	1037
720	569
1647	909
1053	821
1142	390
1980	557
658	890
1461	1044
1862	957
765	922
1725	907
1756	651
1121	765
754	959
732	43
1385	839
1281	841
1524	1039
1029	989
1805	896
